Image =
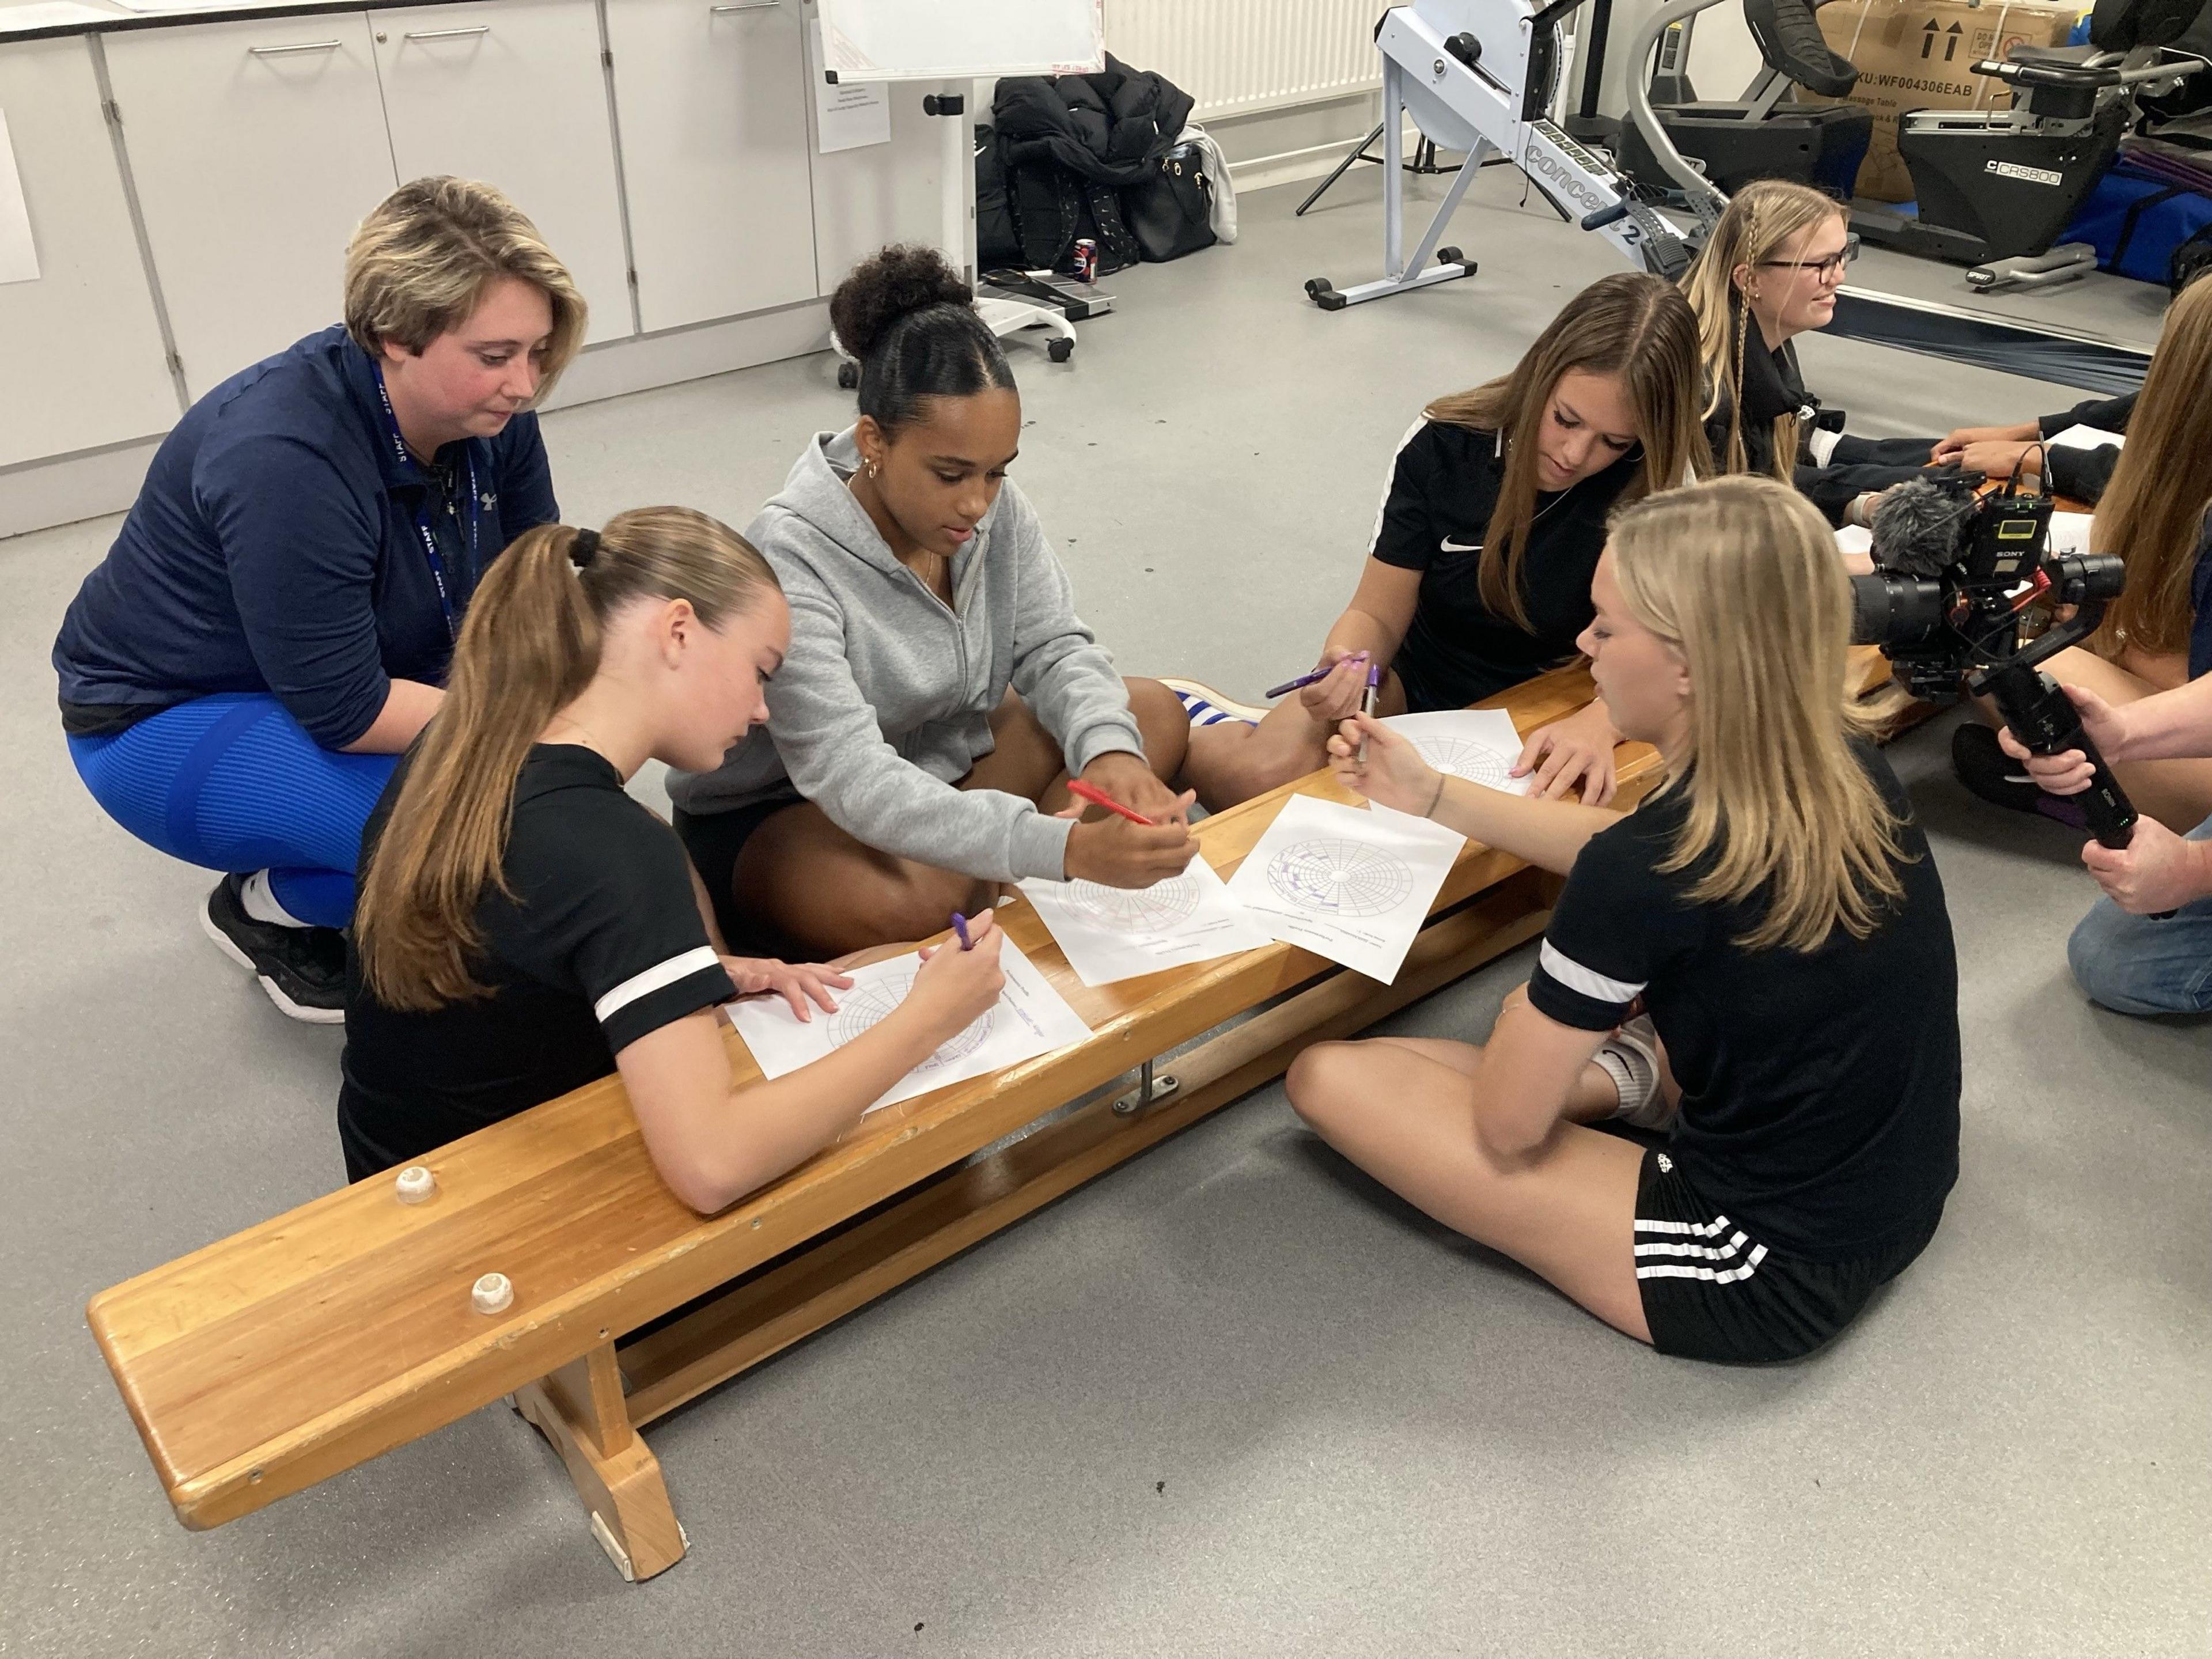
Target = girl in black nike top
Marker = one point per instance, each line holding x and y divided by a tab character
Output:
1478	575
524	926
1759	961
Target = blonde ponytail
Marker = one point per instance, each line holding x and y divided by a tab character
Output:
528	647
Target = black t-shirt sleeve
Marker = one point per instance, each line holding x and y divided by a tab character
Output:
603	907
1616	926
1406	529
2105	413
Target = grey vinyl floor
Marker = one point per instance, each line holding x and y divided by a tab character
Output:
1228	1400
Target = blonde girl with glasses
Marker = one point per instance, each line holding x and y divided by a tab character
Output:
1769	273
1756	965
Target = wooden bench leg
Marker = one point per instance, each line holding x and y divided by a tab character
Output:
580	1409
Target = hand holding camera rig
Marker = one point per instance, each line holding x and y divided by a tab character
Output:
1964	601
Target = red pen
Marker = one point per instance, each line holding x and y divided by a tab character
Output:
1082	791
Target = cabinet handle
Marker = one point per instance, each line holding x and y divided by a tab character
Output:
286	52
747	5
446	34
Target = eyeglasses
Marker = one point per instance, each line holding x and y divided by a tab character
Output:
1826	270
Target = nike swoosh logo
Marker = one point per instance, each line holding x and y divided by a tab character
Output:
1451	546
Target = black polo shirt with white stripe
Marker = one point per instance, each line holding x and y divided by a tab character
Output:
601	943
1444	484
1820	1088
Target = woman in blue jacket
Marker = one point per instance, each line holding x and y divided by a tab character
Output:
273	626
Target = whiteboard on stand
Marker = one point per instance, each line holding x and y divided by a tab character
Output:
962	40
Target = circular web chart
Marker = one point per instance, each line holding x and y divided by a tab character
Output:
1465	760
859	1012
1341	878
1144	910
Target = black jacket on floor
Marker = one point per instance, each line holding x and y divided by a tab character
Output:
1111	128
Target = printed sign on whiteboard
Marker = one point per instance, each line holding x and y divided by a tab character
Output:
850	115
19	254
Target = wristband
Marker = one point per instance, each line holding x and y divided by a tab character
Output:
1437	800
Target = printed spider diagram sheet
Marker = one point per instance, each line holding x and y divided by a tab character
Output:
1345	882
1111	933
1479	744
1030	1018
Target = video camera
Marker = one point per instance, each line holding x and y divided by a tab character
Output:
1963	602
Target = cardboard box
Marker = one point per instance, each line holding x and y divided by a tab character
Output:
1920	54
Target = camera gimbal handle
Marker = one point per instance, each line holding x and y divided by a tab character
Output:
2044	720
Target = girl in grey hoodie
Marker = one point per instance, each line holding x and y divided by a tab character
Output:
941	692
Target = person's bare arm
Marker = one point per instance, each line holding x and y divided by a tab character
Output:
407	709
1381	611
713	1143
1529	1069
1549	834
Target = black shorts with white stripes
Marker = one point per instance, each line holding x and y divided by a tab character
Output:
1713	1292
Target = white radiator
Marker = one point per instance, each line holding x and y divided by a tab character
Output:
1237	56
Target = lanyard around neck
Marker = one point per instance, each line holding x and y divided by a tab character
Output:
424	526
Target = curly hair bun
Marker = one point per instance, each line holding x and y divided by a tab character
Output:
890	285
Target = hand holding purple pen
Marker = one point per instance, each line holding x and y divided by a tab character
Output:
1367	703
1316	676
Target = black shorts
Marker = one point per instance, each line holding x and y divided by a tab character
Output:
715	840
1713	1292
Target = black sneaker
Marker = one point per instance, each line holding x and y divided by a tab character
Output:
1984	767
302	969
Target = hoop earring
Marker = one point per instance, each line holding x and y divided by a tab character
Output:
874	467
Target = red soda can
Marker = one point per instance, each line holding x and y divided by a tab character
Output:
1087	259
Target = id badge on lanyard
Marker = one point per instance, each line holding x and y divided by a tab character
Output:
438	574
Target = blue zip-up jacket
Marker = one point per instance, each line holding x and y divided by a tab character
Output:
274	547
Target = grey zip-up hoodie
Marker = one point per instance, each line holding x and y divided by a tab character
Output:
886	698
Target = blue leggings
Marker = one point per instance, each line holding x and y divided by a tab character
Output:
233	783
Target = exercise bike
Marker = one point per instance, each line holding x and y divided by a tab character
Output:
1996	188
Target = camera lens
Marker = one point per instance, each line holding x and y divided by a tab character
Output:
2080	578
1888	609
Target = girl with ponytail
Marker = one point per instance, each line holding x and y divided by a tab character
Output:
524	926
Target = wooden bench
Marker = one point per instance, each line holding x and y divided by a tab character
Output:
299	1348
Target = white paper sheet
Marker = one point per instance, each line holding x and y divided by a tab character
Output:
1346	883
1854	539
1030	1018
19	254
2086	437
1112	933
851	115
2070	532
1479	744
49	15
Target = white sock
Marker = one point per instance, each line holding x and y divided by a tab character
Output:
259	901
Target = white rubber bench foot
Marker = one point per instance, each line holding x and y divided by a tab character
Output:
620	1556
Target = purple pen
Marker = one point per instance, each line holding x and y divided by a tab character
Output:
960	927
1299	684
1367	703
1304	680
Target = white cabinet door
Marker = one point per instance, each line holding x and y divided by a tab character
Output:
512	92
81	361
710	96
256	148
